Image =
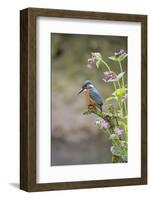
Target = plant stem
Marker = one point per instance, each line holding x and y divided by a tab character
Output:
109	134
125	108
121	108
107	66
119	84
122	72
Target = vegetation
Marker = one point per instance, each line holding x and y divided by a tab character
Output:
113	119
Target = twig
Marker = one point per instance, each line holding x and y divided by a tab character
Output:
106	116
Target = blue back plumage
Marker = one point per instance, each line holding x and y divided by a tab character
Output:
94	94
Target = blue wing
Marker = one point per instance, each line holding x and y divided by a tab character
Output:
94	94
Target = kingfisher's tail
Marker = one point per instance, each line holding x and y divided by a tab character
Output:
100	107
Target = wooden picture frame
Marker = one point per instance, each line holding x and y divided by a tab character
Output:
28	99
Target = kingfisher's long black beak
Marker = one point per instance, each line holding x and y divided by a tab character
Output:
80	91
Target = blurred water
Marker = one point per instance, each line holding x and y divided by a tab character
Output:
91	151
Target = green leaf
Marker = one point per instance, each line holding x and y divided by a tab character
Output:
113	137
119	93
123	143
98	121
114	58
116	151
98	63
122	57
125	158
99	57
98	60
118	58
110	99
119	76
121	122
109	114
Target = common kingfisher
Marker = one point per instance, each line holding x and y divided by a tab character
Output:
91	95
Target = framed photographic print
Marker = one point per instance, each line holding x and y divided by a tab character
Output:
83	93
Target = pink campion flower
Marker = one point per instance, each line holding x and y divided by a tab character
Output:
104	124
119	53
118	131
109	76
94	55
92	60
89	66
116	53
90	63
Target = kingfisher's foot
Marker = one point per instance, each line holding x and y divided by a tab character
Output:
90	107
86	112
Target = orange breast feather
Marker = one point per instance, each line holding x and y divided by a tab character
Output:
88	99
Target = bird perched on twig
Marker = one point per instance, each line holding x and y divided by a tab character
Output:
91	95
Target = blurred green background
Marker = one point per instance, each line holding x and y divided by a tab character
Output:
75	139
